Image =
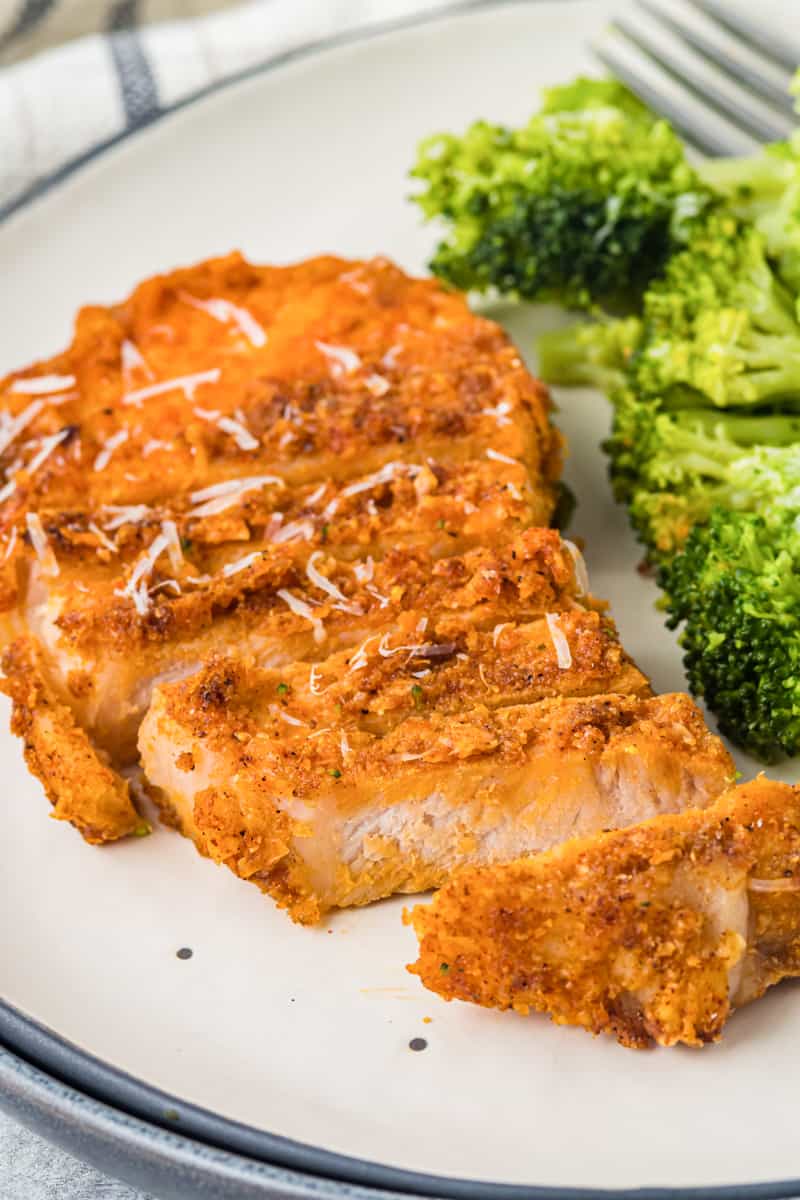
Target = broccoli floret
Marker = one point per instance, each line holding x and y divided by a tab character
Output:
719	327
581	205
765	189
592	355
736	589
692	471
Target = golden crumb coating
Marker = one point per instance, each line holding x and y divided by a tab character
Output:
654	933
80	785
275	459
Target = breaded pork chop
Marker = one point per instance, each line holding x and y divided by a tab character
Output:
340	783
268	458
303	508
654	933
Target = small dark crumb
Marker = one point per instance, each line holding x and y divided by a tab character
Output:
418	1044
444	967
186	544
645	568
172	1114
184	952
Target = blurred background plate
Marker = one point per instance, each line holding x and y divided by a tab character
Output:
304	1034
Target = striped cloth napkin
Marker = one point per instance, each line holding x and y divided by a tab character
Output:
75	74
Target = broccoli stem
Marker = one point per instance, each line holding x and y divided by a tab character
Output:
752	182
745	430
593	355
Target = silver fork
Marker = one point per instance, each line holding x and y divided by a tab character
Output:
719	75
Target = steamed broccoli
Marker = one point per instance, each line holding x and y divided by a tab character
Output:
582	204
719	326
693	472
718	329
736	589
765	189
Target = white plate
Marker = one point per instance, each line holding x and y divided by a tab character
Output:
305	1033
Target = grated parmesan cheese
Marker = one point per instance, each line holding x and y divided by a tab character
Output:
500	413
364	571
132	359
560	643
237	429
42	385
313	683
41	546
383	601
136	589
170	531
126	514
12	427
188	384
241	564
503	458
102	538
581	574
341	359
221	496
376	385
360	659
316	495
301	609
295	529
384	475
228	313
320	581
104	457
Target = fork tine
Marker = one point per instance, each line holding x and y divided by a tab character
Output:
713	85
783	47
703	127
731	53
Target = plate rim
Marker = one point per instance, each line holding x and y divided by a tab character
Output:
82	1102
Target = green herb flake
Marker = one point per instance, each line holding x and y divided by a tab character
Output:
282	689
419	696
335	772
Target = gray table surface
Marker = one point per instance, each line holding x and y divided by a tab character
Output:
31	1169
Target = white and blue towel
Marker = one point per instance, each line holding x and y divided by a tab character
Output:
77	74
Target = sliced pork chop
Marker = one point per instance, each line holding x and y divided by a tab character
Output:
418	761
172	479
655	933
275	606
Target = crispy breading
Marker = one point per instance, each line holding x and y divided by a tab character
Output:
318	492
654	933
182	477
381	798
81	787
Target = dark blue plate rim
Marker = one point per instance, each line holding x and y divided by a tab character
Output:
53	1084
